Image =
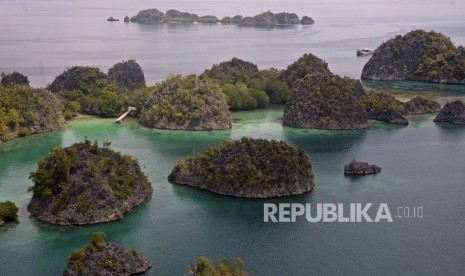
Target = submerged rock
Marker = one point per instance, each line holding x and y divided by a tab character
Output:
86	184
390	117
452	113
111	19
325	101
251	168
360	168
186	103
418	56
420	105
104	259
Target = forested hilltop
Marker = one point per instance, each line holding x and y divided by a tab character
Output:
265	19
25	110
418	56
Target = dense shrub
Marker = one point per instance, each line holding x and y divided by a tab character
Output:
8	211
232	71
14	78
269	81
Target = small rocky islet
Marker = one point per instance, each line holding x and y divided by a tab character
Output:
8	212
452	113
86	184
249	168
361	168
265	19
105	258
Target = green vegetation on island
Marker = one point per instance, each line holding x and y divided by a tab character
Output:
251	168
383	107
245	86
224	267
307	64
186	103
418	56
105	258
452	113
25	110
89	91
14	78
420	105
325	101
8	212
86	184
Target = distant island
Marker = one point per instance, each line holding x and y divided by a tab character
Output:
86	184
265	19
418	56
250	168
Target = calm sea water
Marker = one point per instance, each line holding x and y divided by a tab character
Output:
423	164
42	38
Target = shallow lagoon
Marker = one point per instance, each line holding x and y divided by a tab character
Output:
422	165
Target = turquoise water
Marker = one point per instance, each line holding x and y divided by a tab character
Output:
422	165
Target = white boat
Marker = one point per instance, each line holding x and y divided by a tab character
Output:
364	52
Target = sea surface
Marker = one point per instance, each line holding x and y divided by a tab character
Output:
423	163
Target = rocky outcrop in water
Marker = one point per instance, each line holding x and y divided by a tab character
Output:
105	259
307	21
186	103
361	168
251	168
417	56
383	107
325	101
420	105
452	113
25	111
86	184
8	212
